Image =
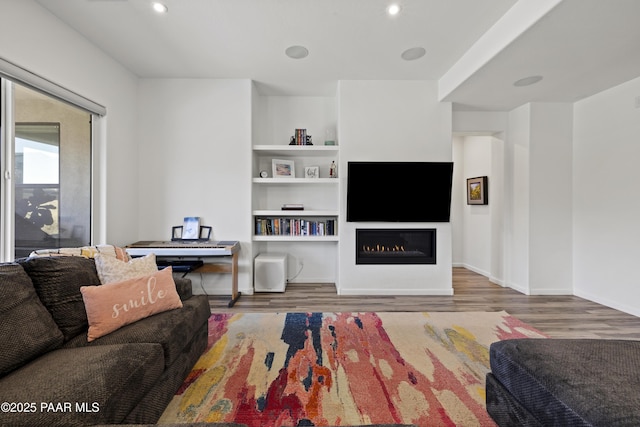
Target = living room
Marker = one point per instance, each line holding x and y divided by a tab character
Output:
559	232
560	219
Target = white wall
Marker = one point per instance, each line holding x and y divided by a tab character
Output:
36	40
550	234
195	160
606	206
395	121
497	209
538	199
517	200
457	201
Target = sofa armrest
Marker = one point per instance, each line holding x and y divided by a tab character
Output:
183	286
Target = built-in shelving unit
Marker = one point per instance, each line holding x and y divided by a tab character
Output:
312	256
318	195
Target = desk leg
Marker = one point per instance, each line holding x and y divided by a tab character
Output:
235	295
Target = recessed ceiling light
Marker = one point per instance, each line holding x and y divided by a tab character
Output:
393	9
159	7
297	52
527	81
413	53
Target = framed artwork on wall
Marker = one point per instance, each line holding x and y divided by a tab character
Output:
477	193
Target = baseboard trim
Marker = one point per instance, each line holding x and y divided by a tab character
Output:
550	292
476	270
392	292
624	308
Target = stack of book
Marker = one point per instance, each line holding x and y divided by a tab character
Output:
292	207
295	227
300	136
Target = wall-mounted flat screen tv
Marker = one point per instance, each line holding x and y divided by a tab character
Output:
399	191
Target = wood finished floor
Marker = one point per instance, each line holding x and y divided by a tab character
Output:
557	316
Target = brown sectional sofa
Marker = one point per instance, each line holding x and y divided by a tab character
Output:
51	376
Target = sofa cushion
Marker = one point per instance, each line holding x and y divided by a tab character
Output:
27	329
504	409
113	305
57	281
172	329
106	382
184	288
112	270
572	381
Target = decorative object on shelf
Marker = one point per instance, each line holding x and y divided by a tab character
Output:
312	172
477	193
333	170
329	136
264	174
191	230
283	168
300	137
292	207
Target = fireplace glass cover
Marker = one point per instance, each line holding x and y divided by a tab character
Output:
396	246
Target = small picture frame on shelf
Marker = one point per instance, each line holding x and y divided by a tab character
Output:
477	191
312	172
283	168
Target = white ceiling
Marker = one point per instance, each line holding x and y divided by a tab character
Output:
476	49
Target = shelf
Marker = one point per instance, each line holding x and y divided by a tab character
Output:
295	238
309	181
296	150
294	213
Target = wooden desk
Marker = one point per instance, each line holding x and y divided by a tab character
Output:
196	250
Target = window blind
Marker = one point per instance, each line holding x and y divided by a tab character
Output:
33	81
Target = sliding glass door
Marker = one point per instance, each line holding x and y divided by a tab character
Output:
47	167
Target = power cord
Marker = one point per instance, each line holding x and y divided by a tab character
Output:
297	273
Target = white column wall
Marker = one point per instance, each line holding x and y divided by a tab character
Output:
517	200
395	121
458	200
550	203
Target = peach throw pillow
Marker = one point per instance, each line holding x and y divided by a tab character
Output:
114	305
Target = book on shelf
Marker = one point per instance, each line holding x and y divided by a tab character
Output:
292	207
301	136
278	226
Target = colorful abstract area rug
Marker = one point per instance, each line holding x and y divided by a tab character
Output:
338	369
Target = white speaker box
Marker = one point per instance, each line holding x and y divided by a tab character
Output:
270	272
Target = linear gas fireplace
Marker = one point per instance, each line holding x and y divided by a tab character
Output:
396	246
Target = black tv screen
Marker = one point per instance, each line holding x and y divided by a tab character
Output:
399	191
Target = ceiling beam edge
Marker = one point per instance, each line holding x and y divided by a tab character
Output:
522	16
